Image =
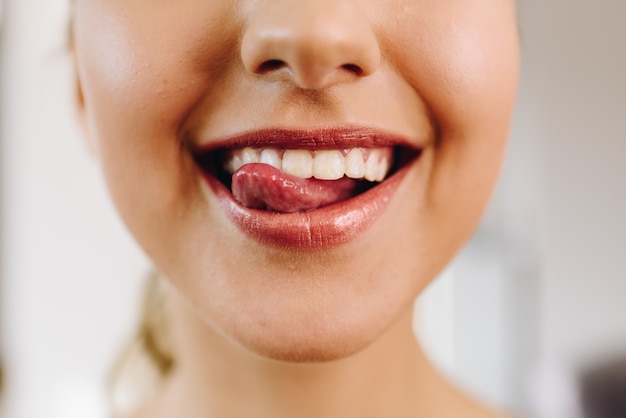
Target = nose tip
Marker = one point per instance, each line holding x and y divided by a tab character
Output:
312	43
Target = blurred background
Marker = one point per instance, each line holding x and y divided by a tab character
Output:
528	317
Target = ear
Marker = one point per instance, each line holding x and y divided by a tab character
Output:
80	107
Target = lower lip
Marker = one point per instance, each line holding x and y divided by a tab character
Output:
322	228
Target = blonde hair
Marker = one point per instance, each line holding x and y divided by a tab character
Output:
147	359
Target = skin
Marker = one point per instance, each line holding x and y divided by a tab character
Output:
297	333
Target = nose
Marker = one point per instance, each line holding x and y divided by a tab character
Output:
312	43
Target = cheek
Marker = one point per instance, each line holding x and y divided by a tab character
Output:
142	70
464	64
146	68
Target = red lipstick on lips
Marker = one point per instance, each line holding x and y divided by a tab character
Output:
319	228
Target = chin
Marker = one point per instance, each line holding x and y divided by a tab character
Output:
306	324
308	342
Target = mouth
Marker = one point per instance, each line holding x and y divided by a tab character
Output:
306	189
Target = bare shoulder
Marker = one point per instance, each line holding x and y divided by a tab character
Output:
497	414
500	414
470	408
484	412
481	411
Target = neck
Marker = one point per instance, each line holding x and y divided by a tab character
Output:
215	377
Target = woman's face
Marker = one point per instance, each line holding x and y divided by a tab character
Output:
172	91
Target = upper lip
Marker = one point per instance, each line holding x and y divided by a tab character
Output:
312	139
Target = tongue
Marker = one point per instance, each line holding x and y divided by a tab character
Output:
261	186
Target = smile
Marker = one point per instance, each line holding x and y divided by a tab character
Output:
306	189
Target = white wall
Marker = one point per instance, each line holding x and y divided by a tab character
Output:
570	136
575	67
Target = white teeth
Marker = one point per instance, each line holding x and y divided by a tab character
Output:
234	163
321	164
355	164
371	167
298	163
328	165
271	157
383	168
249	156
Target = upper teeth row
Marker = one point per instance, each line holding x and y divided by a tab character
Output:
356	163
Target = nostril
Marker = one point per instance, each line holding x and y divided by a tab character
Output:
354	69
270	65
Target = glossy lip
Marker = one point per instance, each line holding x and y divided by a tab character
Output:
322	228
313	139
